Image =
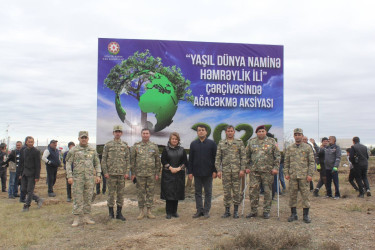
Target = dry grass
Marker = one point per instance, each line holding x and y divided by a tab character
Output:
278	239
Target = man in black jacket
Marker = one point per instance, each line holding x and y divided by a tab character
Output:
30	172
358	156
202	167
51	157
321	167
3	166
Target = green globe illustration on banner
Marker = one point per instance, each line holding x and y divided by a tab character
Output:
157	88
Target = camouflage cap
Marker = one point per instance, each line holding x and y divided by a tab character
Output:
83	133
117	128
298	131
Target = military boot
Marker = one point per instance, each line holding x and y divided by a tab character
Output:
141	214
149	214
293	216
235	212
75	221
306	217
87	220
226	213
119	214
111	213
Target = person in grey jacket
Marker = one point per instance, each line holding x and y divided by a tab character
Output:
359	158
332	158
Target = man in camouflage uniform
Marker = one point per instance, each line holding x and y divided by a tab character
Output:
145	165
230	165
299	169
85	161
115	167
264	159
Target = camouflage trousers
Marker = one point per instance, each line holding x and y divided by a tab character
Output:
116	186
145	191
303	186
83	189
231	182
256	179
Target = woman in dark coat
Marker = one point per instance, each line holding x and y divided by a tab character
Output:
174	162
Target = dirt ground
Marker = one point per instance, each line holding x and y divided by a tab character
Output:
347	223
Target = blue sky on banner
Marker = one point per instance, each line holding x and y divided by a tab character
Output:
48	63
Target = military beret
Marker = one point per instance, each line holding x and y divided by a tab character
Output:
83	133
117	128
298	131
260	127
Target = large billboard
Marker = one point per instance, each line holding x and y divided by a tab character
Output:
171	86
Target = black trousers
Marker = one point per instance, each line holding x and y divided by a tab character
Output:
51	177
206	183
171	206
361	179
3	177
27	187
351	179
68	189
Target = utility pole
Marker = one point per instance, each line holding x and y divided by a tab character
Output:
318	122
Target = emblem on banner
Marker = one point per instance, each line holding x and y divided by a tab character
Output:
113	48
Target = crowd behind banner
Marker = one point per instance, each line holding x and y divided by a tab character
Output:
229	160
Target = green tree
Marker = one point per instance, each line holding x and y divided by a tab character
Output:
131	74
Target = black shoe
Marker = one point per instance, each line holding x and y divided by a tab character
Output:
16	195
3	191
226	213
175	215
306	217
316	192
119	215
250	215
22	200
293	216
111	213
25	208
206	215
266	215
103	192
197	214
235	212
361	196
51	194
368	192
169	216
11	197
69	199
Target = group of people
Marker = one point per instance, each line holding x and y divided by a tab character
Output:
328	157
229	160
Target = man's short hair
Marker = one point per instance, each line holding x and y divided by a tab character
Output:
145	129
348	150
228	127
356	139
3	145
202	126
19	142
71	143
334	137
28	137
324	139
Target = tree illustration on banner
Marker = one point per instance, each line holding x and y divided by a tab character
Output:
157	88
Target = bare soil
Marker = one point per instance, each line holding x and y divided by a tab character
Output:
347	223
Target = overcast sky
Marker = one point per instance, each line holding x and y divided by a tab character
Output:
48	62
